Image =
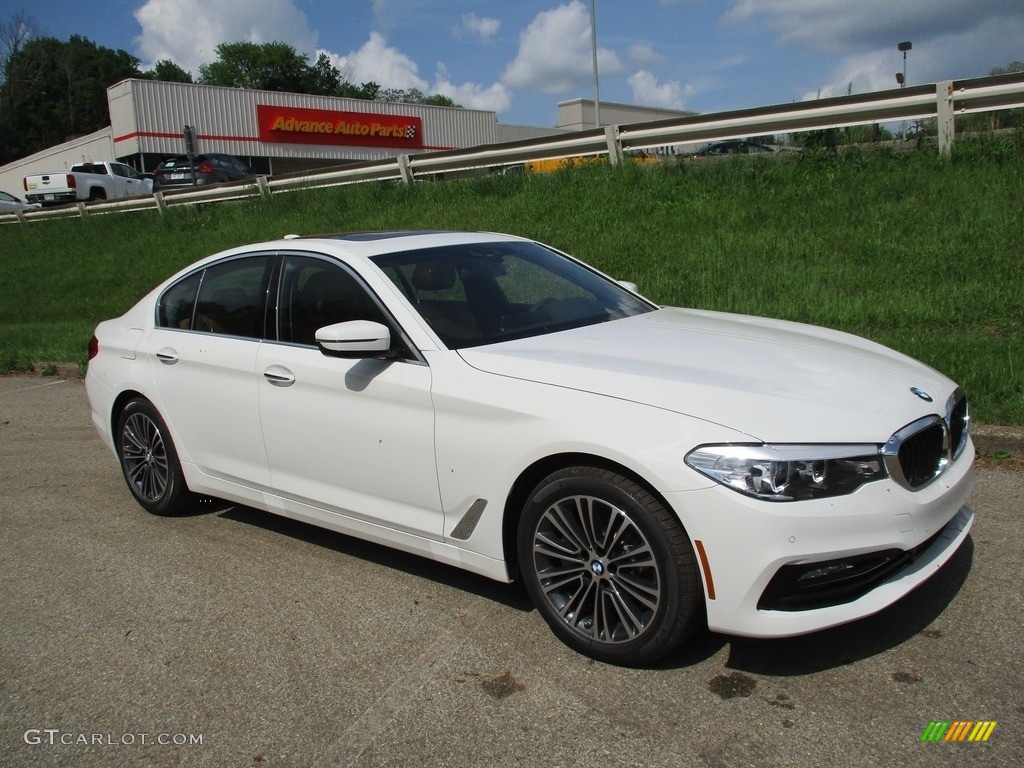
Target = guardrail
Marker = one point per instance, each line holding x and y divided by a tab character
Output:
942	101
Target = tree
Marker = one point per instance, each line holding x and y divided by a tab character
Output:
440	100
270	67
55	90
415	96
1013	66
369	91
167	71
14	34
992	121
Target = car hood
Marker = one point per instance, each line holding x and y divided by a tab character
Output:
773	380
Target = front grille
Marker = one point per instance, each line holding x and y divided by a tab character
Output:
921	451
959	423
922	455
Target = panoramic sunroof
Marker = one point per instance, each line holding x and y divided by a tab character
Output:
367	236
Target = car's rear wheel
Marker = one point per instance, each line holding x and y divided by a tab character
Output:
149	461
608	566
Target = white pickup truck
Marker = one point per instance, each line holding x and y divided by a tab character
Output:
86	181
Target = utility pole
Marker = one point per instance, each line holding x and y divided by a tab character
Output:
901	77
593	46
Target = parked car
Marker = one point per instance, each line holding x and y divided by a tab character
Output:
732	147
90	181
12	204
210	168
491	403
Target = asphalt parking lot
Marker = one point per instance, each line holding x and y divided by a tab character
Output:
234	638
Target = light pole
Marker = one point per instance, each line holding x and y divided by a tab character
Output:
593	47
903	48
901	77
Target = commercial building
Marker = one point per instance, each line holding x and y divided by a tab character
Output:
278	133
274	132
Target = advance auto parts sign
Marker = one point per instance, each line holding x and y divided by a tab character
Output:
295	125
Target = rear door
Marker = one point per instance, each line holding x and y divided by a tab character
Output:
203	356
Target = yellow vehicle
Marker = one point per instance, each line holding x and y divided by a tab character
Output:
638	156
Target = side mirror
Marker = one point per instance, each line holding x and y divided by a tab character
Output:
628	285
356	338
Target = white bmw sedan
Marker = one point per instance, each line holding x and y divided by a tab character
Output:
491	403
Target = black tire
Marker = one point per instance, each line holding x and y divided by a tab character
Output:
149	461
609	567
97	193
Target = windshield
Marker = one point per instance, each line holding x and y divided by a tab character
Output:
483	293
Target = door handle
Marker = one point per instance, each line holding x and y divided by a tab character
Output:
167	356
279	376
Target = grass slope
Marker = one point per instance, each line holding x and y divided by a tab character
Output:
917	252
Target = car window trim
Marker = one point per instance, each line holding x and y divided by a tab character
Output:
202	279
414	354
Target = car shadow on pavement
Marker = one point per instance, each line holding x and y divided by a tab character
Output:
511	595
784	657
836	647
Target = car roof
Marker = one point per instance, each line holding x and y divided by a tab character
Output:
363	245
369	244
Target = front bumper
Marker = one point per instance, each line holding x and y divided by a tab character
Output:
897	537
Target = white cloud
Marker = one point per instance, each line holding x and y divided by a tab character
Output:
857	74
950	56
390	68
648	92
555	52
495	98
378	62
951	38
844	26
644	53
189	31
477	26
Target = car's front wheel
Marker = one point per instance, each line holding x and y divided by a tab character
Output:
608	566
149	461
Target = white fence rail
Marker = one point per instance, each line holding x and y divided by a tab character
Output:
943	101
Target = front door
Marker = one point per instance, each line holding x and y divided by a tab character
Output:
353	437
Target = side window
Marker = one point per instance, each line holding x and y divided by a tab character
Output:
125	170
316	293
178	303
231	297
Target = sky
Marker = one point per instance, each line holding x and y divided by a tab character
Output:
519	58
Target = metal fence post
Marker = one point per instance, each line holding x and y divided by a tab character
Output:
81	210
161	204
611	137
945	116
405	169
261	182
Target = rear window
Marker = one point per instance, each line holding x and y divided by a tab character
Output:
89	168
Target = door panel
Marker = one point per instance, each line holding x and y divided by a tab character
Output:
203	357
355	437
351	436
208	395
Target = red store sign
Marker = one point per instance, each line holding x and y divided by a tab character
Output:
296	125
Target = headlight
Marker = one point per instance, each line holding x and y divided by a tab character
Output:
789	472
